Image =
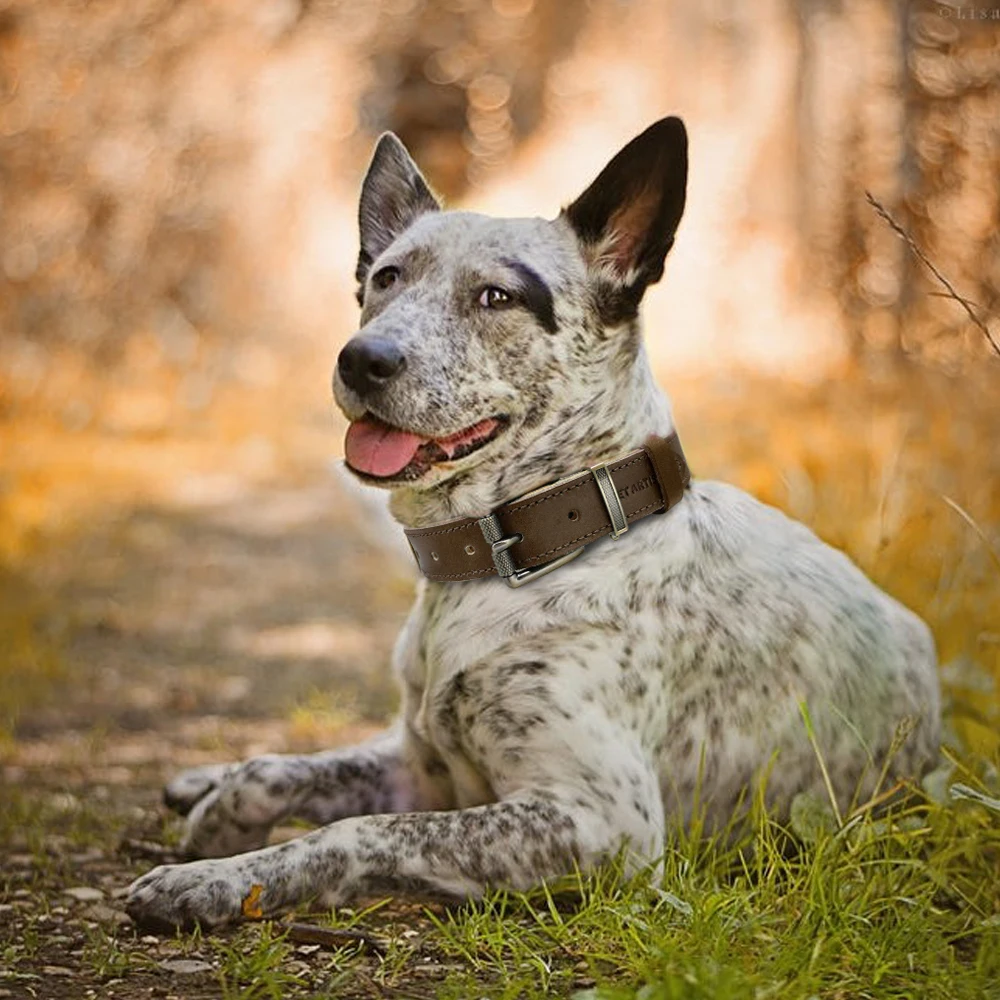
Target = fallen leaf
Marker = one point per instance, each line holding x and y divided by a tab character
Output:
959	791
252	909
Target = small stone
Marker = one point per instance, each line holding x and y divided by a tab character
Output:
87	857
57	970
102	914
185	966
84	894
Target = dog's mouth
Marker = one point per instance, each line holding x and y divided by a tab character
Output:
380	451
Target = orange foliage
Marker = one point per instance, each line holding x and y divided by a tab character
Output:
901	472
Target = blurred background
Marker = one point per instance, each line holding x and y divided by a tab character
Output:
181	574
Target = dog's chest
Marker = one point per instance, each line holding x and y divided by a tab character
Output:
453	628
585	624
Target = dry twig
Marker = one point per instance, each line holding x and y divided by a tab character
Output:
331	937
971	522
925	260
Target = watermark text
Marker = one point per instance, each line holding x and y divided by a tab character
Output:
970	13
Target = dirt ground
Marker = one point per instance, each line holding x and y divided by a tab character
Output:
170	603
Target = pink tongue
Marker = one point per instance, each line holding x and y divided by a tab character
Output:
378	449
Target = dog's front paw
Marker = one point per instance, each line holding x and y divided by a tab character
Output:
212	831
183	792
240	806
203	893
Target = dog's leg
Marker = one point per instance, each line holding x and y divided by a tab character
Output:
242	802
573	786
516	843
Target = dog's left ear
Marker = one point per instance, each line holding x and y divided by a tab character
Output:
393	194
627	218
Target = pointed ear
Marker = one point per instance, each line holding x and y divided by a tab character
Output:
627	218
393	194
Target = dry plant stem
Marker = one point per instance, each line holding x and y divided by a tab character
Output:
877	800
923	258
811	733
971	522
331	937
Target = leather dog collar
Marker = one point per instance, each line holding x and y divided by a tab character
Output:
542	530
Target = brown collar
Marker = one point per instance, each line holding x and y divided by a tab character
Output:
534	534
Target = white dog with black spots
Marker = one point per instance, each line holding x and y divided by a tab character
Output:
546	728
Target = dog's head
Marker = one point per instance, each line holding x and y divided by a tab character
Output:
493	352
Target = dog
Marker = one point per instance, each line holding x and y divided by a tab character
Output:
652	680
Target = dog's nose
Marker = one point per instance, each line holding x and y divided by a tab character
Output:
368	363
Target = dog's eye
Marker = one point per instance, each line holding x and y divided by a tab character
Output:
495	298
385	277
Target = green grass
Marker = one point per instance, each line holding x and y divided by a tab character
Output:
905	904
256	972
902	903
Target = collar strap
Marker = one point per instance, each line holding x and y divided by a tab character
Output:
542	530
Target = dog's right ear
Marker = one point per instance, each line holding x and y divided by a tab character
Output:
393	194
626	220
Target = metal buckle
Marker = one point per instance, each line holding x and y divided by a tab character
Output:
609	494
499	544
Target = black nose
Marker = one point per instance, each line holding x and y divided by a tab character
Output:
368	363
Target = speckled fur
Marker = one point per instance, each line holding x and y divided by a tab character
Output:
543	728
